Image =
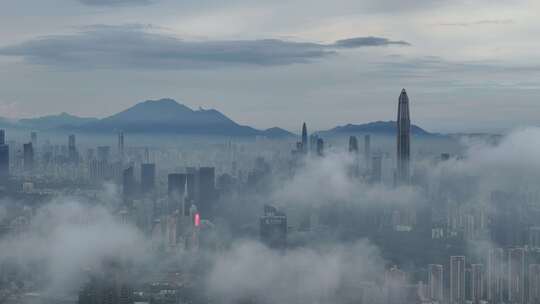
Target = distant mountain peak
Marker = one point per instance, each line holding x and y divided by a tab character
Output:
276	132
375	127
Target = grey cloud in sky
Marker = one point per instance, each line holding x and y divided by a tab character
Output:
115	2
367	41
138	47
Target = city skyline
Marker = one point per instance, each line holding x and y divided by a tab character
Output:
261	152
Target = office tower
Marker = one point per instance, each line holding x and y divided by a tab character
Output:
506	228
28	156
516	275
73	155
190	191
435	282
313	143
148	178
457	279
367	149
34	139
121	145
395	281
176	190
353	145
477	283
534	237
320	147
495	275
104	153
193	183
4	156
534	284
376	169
354	169
146	155
207	191
2	137
304	139
128	183
273	228
403	139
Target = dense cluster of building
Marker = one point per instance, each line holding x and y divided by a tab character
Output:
179	198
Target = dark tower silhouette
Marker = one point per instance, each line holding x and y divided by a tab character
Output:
304	139
129	184
28	157
148	177
207	192
403	139
4	156
320	147
273	228
367	149
176	190
353	145
73	155
354	170
121	146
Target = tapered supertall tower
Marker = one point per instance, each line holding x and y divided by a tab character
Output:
304	139
403	139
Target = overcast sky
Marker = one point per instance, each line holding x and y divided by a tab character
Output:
468	65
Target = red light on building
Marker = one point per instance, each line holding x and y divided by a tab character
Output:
197	219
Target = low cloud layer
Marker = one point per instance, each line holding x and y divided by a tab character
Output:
250	271
70	238
136	47
327	180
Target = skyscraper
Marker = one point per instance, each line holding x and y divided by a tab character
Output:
353	150
477	283
4	156
304	139
72	149
176	190
148	178
367	149
516	275
376	169
207	191
457	279
121	145
435	282
34	139
128	183
320	147
2	137
28	156
403	139
353	145
495	275
273	228
534	283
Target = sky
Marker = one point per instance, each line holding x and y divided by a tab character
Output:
467	65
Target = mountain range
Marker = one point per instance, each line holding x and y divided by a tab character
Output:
377	127
166	116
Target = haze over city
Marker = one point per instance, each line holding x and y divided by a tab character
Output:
261	152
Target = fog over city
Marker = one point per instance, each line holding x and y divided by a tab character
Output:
264	152
340	223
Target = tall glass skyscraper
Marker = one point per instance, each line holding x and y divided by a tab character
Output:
403	139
